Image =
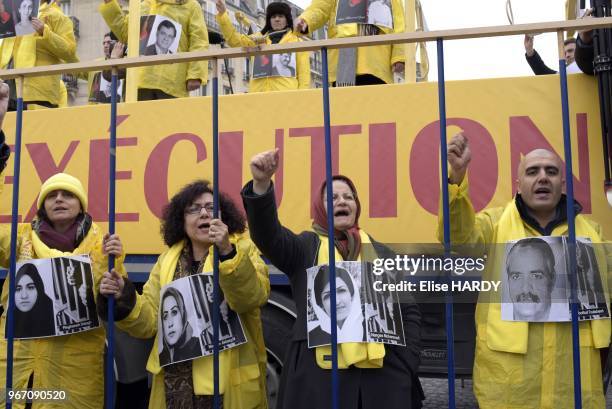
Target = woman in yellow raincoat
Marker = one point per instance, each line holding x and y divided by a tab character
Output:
72	363
191	234
52	43
169	80
278	30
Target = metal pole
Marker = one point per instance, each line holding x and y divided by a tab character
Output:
330	229
216	289
110	334
571	226
10	324
450	332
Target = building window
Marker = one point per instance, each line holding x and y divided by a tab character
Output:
66	7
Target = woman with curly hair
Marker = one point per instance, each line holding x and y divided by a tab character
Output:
191	234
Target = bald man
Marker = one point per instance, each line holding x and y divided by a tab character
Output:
525	365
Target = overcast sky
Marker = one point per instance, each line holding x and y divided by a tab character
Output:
494	57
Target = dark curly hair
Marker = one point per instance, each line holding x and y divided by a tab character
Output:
173	218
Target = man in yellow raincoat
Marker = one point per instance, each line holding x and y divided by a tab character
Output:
366	65
52	43
526	365
170	80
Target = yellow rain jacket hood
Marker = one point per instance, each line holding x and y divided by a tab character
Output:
169	78
72	363
246	287
377	60
56	45
302	79
519	364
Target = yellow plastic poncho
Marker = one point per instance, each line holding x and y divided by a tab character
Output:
246	287
169	78
376	60
72	363
235	39
56	45
521	365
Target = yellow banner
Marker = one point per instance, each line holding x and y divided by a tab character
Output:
386	138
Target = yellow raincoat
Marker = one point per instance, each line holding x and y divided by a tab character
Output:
72	363
169	78
246	287
56	45
234	39
377	60
521	365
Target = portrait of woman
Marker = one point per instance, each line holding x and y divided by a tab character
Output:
179	342
348	309
24	16
7	24
33	308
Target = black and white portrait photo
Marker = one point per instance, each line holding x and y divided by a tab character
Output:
23	11
75	308
381	309
349	316
163	36
380	13
590	293
54	297
231	332
534	281
179	341
351	11
101	90
283	65
185	321
33	306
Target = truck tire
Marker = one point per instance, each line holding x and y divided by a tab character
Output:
277	318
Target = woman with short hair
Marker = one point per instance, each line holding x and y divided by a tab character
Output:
192	234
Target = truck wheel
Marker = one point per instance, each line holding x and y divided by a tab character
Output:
277	318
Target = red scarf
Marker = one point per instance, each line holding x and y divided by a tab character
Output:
348	242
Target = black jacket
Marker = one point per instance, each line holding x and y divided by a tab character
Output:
537	65
584	56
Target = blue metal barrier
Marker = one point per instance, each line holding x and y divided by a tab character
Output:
109	399
10	324
330	229
571	226
216	289
450	333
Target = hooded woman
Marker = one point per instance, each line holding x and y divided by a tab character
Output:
278	30
179	342
62	227
369	373
33	307
192	235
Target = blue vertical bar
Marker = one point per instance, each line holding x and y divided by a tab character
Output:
450	333
216	290
330	229
571	227
110	333
10	325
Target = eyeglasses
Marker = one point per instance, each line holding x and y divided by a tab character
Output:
197	209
